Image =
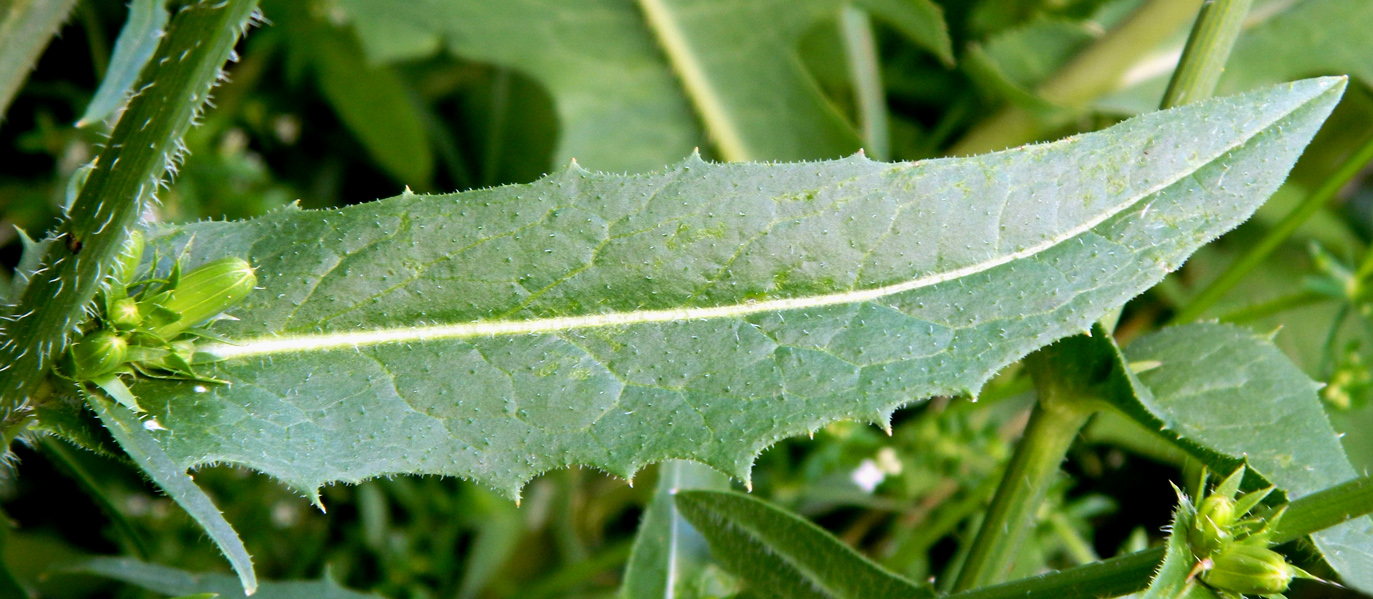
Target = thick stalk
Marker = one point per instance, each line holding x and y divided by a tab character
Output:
1054	423
1208	47
1091	74
1280	233
127	174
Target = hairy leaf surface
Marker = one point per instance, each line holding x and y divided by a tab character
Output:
702	312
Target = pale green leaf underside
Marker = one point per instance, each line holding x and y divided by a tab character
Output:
703	312
1224	389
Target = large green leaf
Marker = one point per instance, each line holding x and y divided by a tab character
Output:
1229	394
698	313
784	556
634	82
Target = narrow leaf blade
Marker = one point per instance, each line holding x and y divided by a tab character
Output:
135	46
143	449
171	581
784	556
666	548
24	32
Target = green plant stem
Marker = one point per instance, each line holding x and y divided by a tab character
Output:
1054	423
861	51
1131	573
1279	234
127	174
1091	74
1208	47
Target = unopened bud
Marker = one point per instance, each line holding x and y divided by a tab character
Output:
205	292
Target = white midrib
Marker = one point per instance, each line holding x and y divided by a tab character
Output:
706	98
499	328
478	329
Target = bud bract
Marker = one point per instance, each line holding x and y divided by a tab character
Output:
124	314
130	256
1211	527
97	354
205	292
1249	569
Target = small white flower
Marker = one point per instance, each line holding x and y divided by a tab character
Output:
867	476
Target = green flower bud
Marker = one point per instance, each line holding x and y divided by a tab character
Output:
130	256
205	292
124	314
1250	570
1211	527
97	354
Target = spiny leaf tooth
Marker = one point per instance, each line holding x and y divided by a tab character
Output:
573	168
690	161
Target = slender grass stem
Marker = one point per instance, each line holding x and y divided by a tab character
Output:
860	49
1208	47
1301	299
1091	74
1053	425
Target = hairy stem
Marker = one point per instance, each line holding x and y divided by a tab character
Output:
125	178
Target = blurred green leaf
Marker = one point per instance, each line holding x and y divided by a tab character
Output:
25	28
372	101
498	534
921	21
668	552
784	556
171	581
630	82
135	46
